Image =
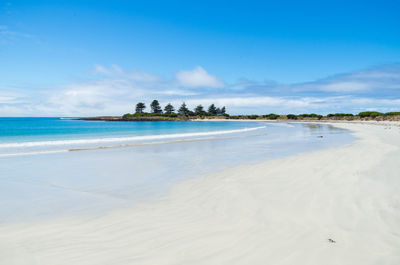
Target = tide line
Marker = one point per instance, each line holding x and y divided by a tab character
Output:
122	139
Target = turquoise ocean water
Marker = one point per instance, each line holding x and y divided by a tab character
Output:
40	135
55	167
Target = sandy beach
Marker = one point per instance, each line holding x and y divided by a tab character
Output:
335	206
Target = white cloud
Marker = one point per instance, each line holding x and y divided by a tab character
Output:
99	69
198	77
114	91
8	97
378	78
250	101
116	71
174	92
348	86
95	98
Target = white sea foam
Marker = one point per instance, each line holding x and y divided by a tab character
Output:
34	153
122	139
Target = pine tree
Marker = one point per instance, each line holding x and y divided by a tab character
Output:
212	110
223	110
155	107
199	110
169	109
140	107
183	110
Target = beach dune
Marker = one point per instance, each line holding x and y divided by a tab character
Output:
335	206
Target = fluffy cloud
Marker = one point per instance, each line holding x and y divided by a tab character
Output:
198	77
113	92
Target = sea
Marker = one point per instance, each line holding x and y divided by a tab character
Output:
56	167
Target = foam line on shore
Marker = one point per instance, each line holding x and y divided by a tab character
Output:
122	146
122	139
159	143
34	153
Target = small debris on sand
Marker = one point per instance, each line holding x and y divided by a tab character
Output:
331	240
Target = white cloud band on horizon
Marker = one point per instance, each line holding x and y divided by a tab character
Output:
114	91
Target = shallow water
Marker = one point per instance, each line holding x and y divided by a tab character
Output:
20	136
97	180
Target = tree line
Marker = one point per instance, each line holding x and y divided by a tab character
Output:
349	116
169	109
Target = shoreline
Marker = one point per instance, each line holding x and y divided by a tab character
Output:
372	122
280	211
277	118
304	120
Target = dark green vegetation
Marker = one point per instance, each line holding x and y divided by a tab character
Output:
199	110
312	115
169	109
374	114
183	110
367	115
271	116
183	113
140	107
340	115
155	107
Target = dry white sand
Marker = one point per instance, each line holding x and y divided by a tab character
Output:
278	212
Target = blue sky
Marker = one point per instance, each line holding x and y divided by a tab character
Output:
78	58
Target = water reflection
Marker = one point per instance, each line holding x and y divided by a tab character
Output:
324	128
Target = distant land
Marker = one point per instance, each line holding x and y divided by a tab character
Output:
213	112
362	116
